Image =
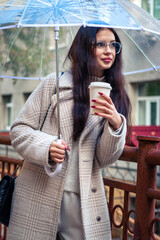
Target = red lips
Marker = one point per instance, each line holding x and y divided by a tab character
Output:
107	59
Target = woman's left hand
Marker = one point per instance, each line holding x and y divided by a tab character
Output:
108	110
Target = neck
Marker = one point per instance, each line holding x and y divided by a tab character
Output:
100	74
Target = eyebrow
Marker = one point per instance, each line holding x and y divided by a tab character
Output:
105	41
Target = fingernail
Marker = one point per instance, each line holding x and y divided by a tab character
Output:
93	107
96	113
93	100
68	148
100	93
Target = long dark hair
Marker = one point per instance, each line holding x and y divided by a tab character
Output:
83	62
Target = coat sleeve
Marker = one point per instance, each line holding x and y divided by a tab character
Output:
111	144
31	143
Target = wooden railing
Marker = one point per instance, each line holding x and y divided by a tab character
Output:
147	158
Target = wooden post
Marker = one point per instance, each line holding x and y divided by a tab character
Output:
146	178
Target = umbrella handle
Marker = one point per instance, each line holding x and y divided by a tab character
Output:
58	167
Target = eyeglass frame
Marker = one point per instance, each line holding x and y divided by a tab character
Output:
105	45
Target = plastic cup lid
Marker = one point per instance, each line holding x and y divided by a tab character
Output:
100	84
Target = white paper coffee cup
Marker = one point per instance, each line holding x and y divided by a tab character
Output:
96	87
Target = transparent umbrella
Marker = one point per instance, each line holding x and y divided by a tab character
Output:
26	25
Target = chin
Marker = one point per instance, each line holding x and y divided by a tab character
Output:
107	67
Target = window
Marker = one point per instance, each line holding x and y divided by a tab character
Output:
149	104
152	6
8	111
149	111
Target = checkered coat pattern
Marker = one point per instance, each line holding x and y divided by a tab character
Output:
37	197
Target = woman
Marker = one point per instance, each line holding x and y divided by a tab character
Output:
73	204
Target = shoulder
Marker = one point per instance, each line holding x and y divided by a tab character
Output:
46	85
49	80
49	83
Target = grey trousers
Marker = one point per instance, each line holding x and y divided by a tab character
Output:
70	221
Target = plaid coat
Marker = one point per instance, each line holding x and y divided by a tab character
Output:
37	197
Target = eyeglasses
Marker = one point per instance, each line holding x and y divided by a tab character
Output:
114	46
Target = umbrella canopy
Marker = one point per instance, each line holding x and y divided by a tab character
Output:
24	35
113	13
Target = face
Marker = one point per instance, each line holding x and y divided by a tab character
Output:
105	56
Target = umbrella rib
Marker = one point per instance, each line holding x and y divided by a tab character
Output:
12	42
67	12
151	31
42	52
154	67
157	35
58	2
72	14
44	3
8	27
63	16
25	78
23	12
140	71
42	15
82	18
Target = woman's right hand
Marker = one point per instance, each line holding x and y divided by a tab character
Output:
57	151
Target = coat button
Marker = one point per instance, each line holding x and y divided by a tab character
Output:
94	189
98	218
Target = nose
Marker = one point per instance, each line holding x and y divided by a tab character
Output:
107	49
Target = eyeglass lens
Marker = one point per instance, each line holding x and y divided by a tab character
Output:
113	46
